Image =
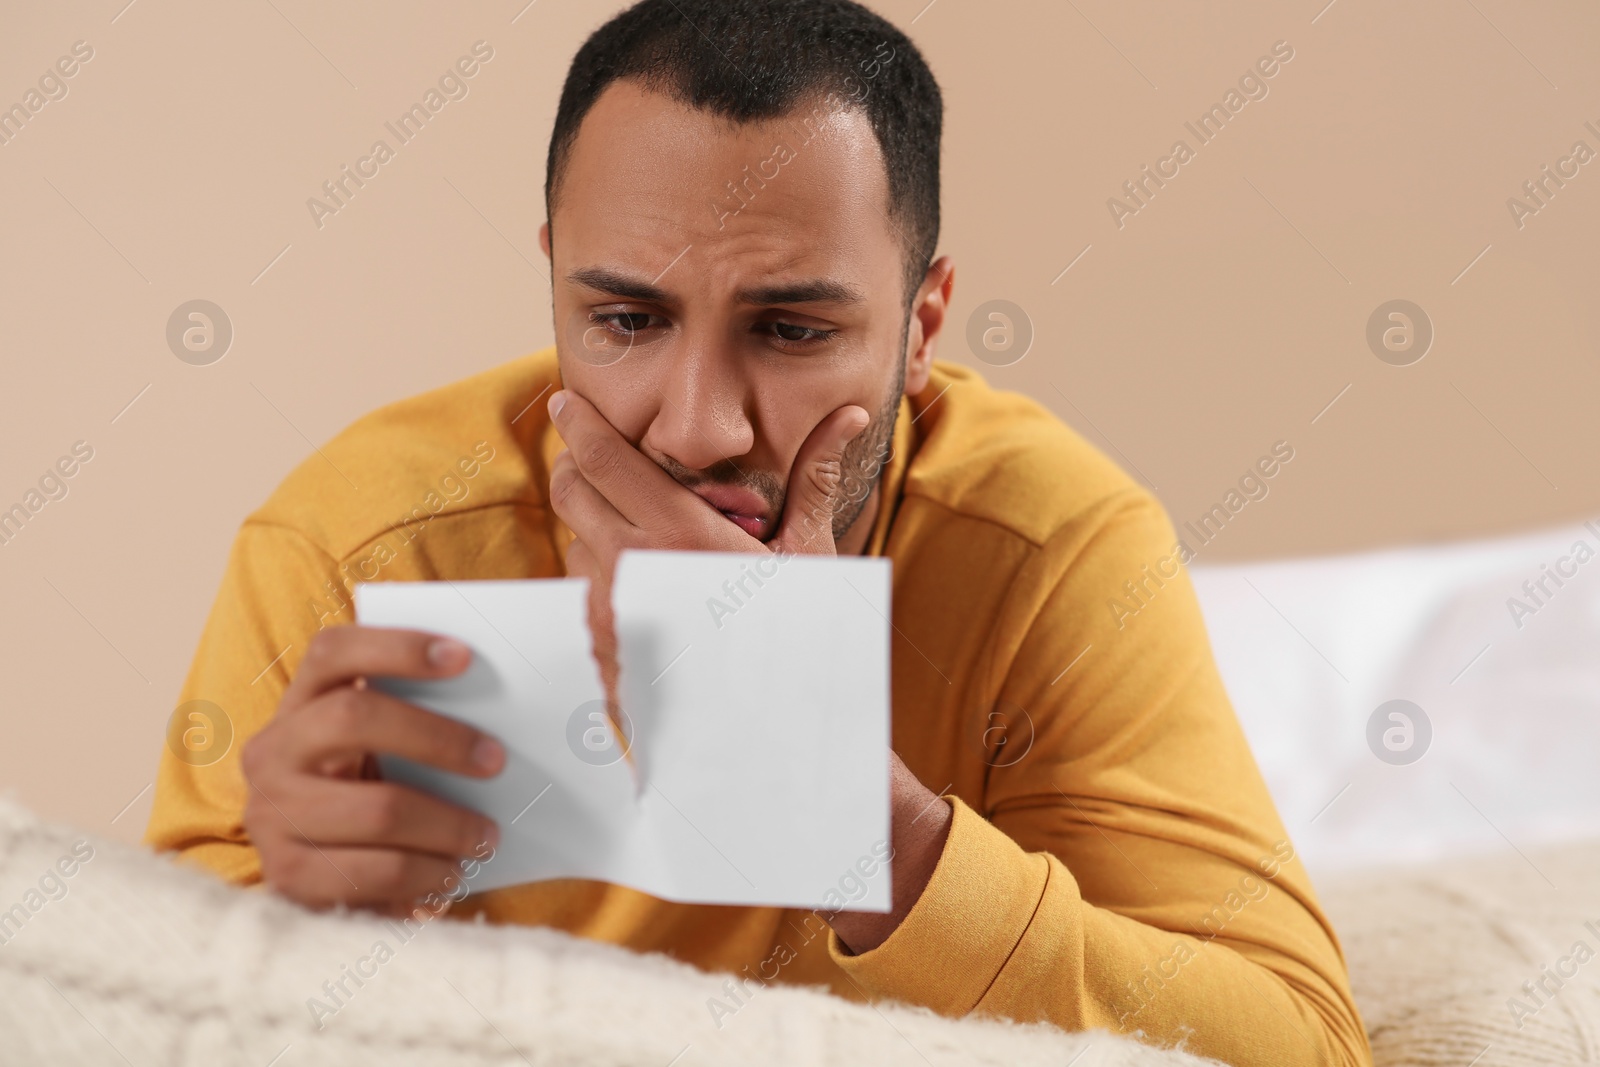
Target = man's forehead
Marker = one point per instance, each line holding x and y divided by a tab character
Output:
648	176
633	131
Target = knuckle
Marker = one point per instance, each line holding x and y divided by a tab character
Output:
255	757
343	711
324	645
383	811
662	525
825	476
452	740
563	484
598	456
390	869
282	867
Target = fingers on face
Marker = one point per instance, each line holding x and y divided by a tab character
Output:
808	510
605	458
633	486
845	425
586	511
815	479
821	459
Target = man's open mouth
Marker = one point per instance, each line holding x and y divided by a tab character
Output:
754	525
745	509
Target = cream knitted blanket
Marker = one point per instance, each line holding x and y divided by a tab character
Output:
110	955
1492	962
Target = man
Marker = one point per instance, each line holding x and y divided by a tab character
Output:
744	208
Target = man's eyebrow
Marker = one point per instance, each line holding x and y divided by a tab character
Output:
809	291
812	291
616	283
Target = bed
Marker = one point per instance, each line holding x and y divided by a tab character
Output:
1460	862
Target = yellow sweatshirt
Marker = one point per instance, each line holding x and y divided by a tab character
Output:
1114	861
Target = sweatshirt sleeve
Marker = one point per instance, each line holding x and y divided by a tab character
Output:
1128	870
278	590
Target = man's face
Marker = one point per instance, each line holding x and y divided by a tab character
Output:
720	289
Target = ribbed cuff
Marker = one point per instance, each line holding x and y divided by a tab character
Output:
952	945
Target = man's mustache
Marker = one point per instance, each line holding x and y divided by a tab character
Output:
726	472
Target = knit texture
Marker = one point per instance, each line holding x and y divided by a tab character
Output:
1438	958
118	953
133	955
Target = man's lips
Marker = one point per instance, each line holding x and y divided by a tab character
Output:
743	508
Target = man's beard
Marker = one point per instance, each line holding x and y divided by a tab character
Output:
864	460
860	469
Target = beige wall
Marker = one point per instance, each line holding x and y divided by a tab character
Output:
1221	317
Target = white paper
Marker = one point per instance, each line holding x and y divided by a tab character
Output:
757	699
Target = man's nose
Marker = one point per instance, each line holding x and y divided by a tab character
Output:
701	420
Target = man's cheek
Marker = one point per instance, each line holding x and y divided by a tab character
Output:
624	387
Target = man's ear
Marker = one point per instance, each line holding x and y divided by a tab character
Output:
928	313
544	239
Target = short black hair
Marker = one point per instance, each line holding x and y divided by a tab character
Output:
749	60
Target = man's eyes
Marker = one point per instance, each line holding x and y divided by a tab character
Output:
791	334
623	322
788	334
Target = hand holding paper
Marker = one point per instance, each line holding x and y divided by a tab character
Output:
326	831
756	689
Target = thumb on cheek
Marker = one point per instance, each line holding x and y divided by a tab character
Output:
814	481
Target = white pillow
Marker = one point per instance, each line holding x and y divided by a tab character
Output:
1310	649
